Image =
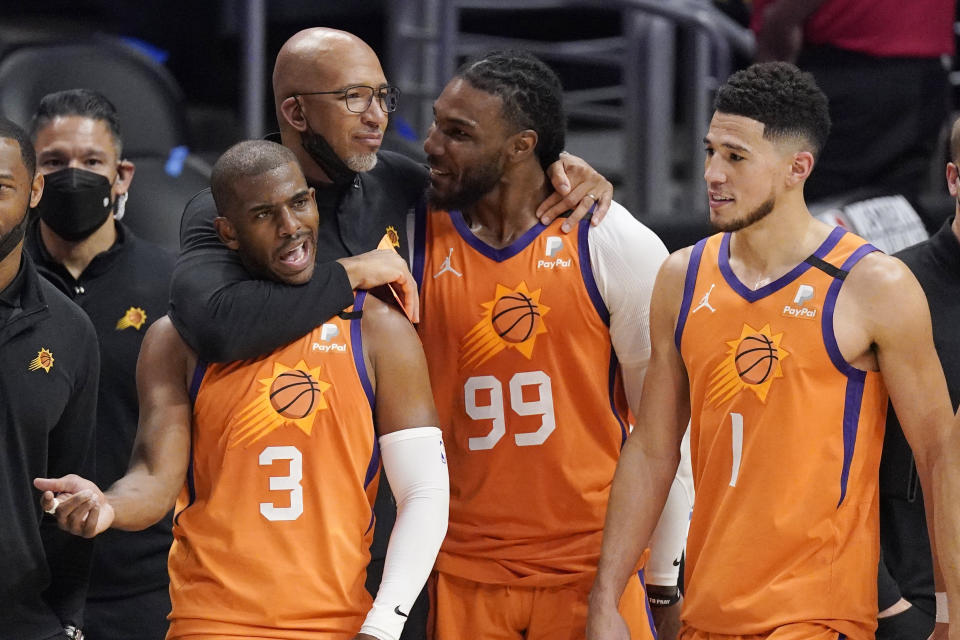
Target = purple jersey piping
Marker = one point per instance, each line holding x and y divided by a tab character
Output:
751	295
611	393
356	344
497	255
586	270
853	397
689	284
198	372
420	243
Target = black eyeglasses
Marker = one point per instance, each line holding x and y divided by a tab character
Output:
359	97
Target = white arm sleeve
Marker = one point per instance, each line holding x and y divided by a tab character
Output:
416	467
625	257
670	536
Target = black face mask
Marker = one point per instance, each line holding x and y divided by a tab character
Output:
322	153
75	203
13	237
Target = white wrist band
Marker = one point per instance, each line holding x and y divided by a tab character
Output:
943	613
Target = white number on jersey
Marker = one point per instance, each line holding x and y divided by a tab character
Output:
542	406
289	482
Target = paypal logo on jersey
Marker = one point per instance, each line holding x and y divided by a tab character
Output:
327	333
554	245
805	293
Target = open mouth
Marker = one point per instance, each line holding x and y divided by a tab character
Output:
296	255
718	200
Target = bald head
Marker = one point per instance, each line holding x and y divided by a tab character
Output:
310	58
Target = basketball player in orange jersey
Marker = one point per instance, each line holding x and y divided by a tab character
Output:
276	459
781	336
536	341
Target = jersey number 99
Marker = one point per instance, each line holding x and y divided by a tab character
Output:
542	406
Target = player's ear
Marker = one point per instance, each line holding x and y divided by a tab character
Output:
521	145
800	168
292	111
227	232
36	189
953	176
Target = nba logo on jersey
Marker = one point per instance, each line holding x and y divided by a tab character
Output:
328	332
554	244
805	292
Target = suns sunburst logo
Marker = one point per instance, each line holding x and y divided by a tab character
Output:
133	317
392	236
752	362
291	396
44	360
511	320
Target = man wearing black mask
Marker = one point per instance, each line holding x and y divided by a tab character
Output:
48	394
121	282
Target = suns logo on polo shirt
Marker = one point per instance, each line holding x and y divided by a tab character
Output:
44	360
133	317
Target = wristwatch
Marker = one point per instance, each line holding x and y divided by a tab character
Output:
73	632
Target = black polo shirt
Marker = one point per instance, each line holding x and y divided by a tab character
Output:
48	394
123	291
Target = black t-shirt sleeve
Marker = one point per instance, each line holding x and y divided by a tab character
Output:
224	314
71	450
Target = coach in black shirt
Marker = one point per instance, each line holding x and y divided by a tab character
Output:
121	282
48	394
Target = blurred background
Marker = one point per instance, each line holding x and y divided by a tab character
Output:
190	78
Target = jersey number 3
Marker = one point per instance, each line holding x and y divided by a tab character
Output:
495	410
289	482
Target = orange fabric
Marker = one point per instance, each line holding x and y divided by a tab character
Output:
799	631
530	472
464	609
275	542
771	541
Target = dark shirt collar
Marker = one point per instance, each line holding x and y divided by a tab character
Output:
100	263
10	296
946	246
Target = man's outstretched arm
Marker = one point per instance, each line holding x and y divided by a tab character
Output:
914	377
224	314
161	451
411	447
648	461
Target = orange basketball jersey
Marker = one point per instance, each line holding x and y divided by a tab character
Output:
272	530
785	443
529	396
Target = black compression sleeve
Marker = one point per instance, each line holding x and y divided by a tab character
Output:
225	315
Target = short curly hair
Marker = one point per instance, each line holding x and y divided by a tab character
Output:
784	99
531	93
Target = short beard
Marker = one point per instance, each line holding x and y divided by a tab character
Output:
756	215
361	162
474	185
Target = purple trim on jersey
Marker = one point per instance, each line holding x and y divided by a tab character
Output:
689	284
851	420
586	270
372	519
356	344
497	255
643	583
419	243
198	372
826	320
855	377
611	393
752	296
